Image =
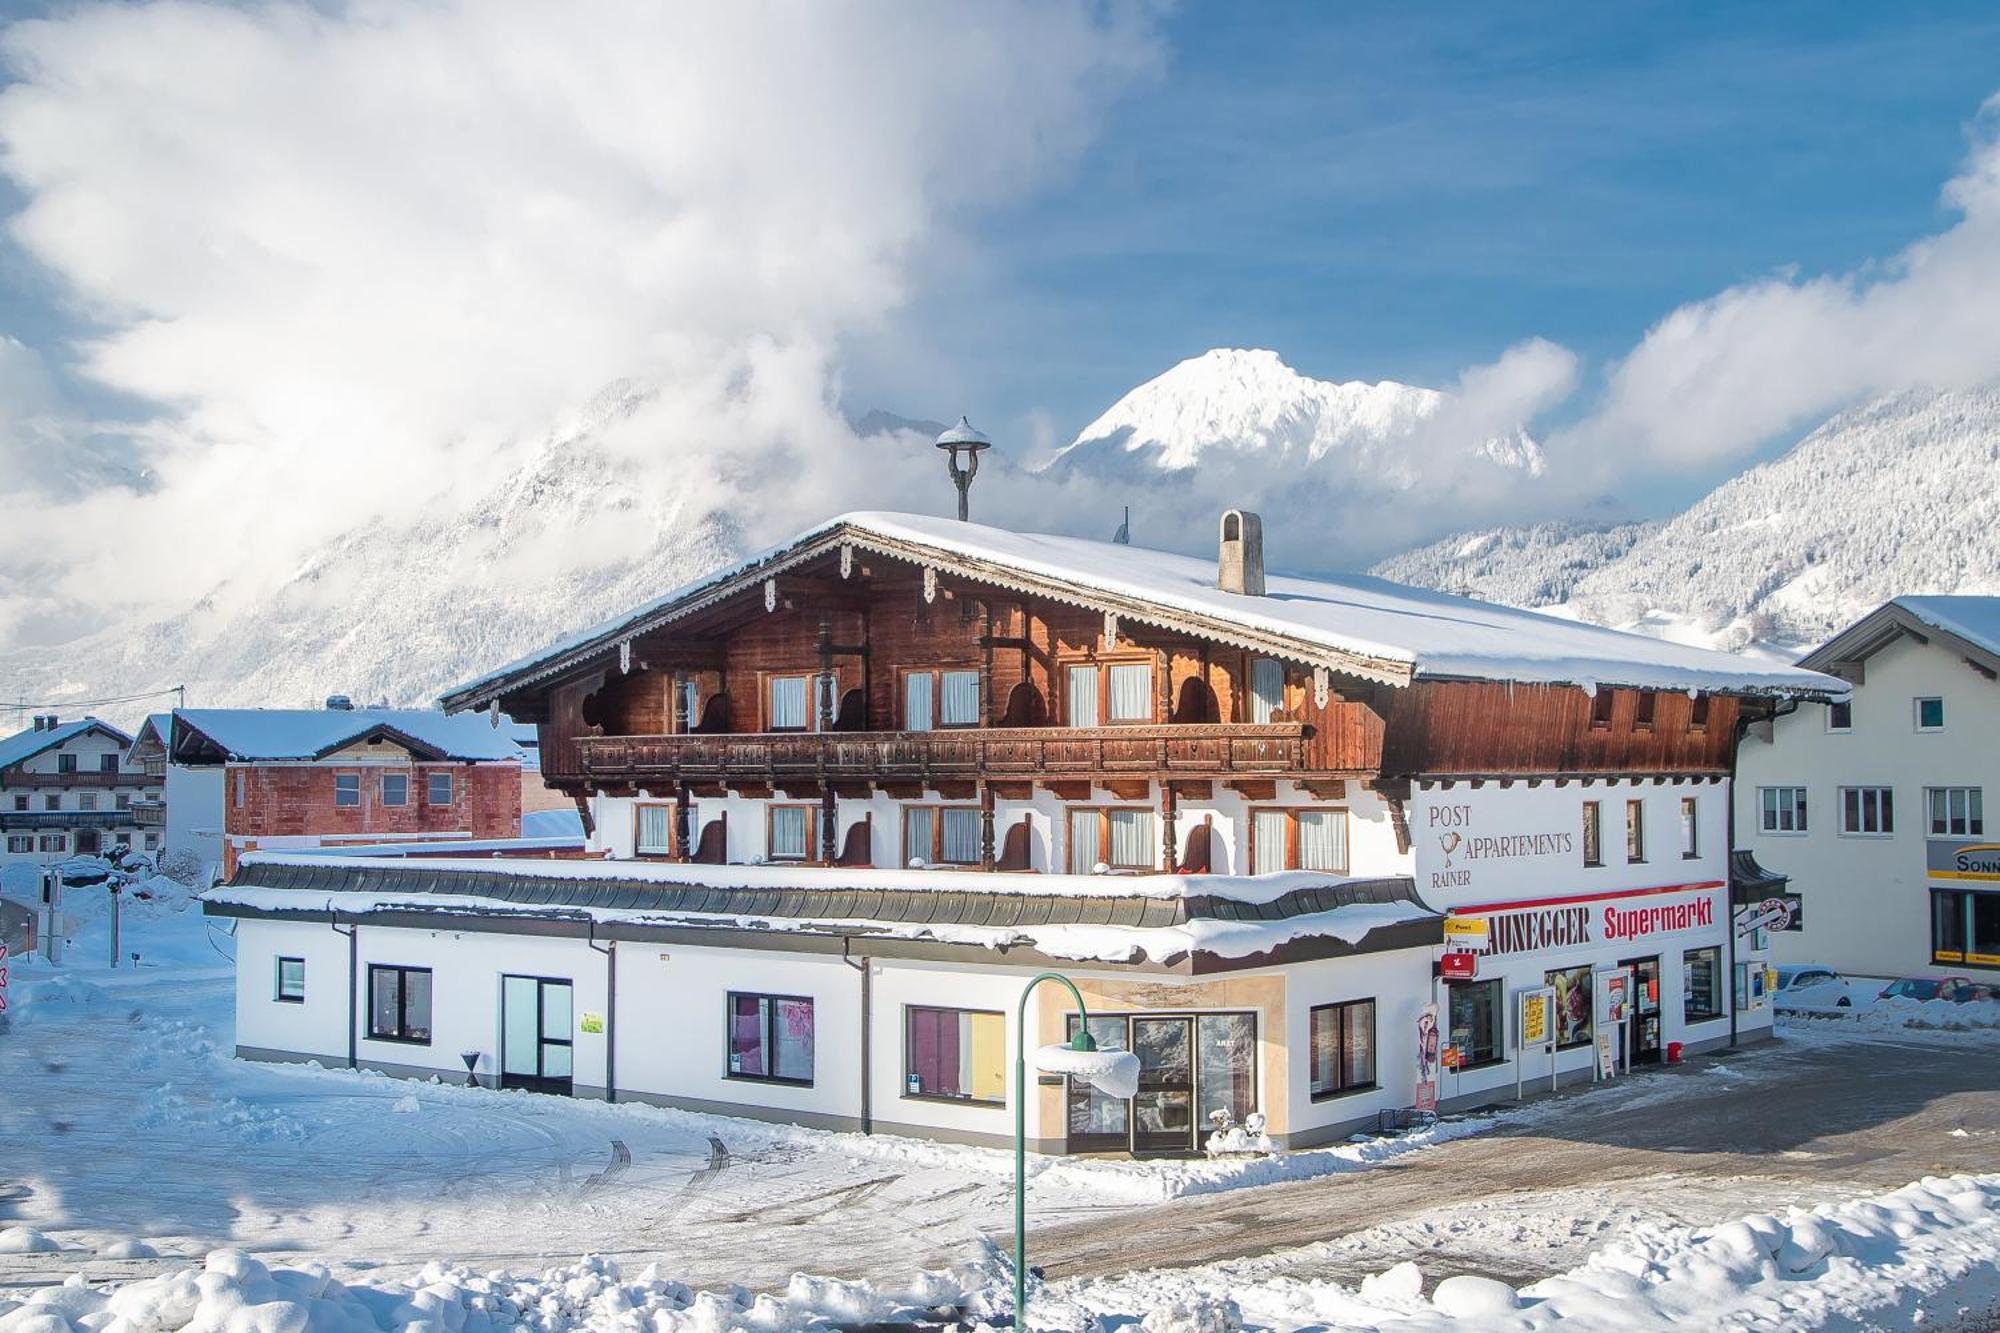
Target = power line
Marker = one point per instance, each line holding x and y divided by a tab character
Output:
24	706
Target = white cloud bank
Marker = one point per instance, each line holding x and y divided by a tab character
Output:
363	255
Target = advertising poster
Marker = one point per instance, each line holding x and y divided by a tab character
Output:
1537	1021
1614	995
1427	1058
1572	989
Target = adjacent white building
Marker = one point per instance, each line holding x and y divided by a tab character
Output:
1876	807
68	789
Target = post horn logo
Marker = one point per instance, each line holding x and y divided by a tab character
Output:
1449	841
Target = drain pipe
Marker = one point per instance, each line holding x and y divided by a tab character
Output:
865	967
353	981
610	952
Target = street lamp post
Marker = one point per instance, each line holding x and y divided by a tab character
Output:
963	439
1116	1072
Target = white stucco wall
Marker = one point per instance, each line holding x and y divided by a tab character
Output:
194	812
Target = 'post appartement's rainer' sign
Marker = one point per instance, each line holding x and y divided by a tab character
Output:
1460	848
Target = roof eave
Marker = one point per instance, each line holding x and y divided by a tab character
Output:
1882	627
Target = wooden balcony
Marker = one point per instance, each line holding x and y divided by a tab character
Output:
149	814
22	777
1205	750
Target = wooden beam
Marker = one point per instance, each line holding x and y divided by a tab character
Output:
1068	791
1333	790
1012	791
1129	789
1191	789
1254	789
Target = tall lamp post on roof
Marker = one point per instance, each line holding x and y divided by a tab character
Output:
963	439
1115	1073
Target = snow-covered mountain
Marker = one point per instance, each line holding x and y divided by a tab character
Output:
1900	495
1249	402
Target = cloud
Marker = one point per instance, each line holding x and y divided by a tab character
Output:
364	258
1718	377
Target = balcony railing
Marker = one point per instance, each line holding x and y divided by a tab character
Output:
22	777
1196	751
65	819
149	814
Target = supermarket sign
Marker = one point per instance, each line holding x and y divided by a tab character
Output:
1550	924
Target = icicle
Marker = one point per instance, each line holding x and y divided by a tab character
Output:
930	584
770	594
493	713
625	657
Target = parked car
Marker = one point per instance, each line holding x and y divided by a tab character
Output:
1811	984
1959	990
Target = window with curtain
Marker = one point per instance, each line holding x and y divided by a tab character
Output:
1083	826
1322	840
688	703
958	836
788	703
1268	834
919	833
1956	812
771	1037
1867	810
1267	688
439	788
1593	833
1690	828
655	836
1635	831
917	687
1080	696
1131	692
790	837
1131	839
1288	839
1343	1047
959	1054
958	698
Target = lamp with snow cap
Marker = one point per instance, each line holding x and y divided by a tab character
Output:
1115	1073
963	439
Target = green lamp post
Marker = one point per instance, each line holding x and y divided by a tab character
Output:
1114	1072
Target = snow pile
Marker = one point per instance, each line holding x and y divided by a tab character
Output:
26	1240
1900	1013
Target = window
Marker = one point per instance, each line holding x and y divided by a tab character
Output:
1472	1021
788	833
787	704
1965	927
346	790
124	800
54	842
1343	1047
1600	710
1131	692
1840	715
20	842
1267	688
438	788
292	980
65	763
239	789
107	763
1690	828
957	1054
52	802
1701	984
1867	811
1120	839
1593	833
1781	809
917	689
687	705
20	803
1642	710
941	834
940	699
1955	812
1080	696
399	1004
653	832
1930	714
1698	713
1635	831
1574	1005
152	842
1290	839
771	1038
86	800
395	789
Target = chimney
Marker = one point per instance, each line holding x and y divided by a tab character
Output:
1240	566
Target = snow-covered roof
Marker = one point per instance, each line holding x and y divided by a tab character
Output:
309	733
27	744
1351	623
1974	619
1157	919
1972	623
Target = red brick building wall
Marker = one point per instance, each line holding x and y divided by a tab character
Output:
297	800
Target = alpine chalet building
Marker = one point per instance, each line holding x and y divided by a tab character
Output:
853	792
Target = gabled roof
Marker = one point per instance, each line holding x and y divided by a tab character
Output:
1969	626
303	734
27	744
157	727
1353	624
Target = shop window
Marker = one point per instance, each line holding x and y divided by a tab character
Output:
1267	688
1930	714
1225	1067
788	832
1472	1021
1635	831
1965	927
1121	839
1343	1047
1867	811
346	790
1781	809
1840	715
438	788
1690	828
1955	812
653	831
1295	839
1574	1004
395	789
1701	984
292	980
956	1054
399	1004
771	1038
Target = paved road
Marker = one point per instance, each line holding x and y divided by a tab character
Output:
1698	1144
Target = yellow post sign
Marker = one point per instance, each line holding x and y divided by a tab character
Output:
1465	932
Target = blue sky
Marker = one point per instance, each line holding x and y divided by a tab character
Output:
1398	191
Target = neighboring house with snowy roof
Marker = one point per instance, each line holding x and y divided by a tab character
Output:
301	777
67	789
854	790
1876	805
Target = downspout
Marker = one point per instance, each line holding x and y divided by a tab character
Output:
865	967
353	983
610	952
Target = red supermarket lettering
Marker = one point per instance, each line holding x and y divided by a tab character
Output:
1631	923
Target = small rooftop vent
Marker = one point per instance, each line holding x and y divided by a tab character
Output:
340	703
1240	565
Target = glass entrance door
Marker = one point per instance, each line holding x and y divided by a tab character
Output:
1163	1112
535	1041
1642	1030
1190	1066
1099	1123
